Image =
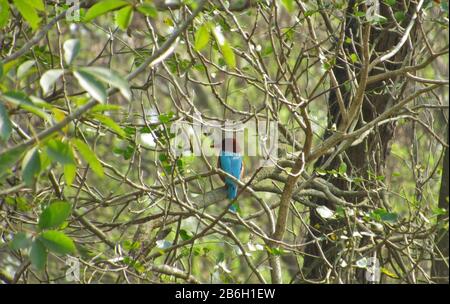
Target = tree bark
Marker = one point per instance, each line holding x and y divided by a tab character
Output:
370	154
440	269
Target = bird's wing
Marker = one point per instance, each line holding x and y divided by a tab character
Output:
232	164
236	165
220	167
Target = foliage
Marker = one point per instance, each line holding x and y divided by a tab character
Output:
89	96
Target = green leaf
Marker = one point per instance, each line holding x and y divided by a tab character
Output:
124	17
8	159
49	78
110	77
19	202
185	235
381	215
91	85
22	100
327	66
54	215
71	50
228	55
275	251
148	10
20	241
289	5
390	2
38	255
202	37
388	273
57	242
439	211
23	69
129	245
4	17
105	107
399	16
89	156
70	171
60	152
107	121
28	12
103	7
45	160
31	166
127	153
38	102
224	47
17	98
353	57
37	4
5	124
134	263
166	117
342	168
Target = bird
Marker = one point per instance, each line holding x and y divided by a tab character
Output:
230	161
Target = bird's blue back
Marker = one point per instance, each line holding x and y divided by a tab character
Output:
232	164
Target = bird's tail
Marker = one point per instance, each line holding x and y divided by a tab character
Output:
232	190
234	208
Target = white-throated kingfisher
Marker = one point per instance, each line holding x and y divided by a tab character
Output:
230	161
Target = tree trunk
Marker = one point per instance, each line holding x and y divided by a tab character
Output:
440	267
368	156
